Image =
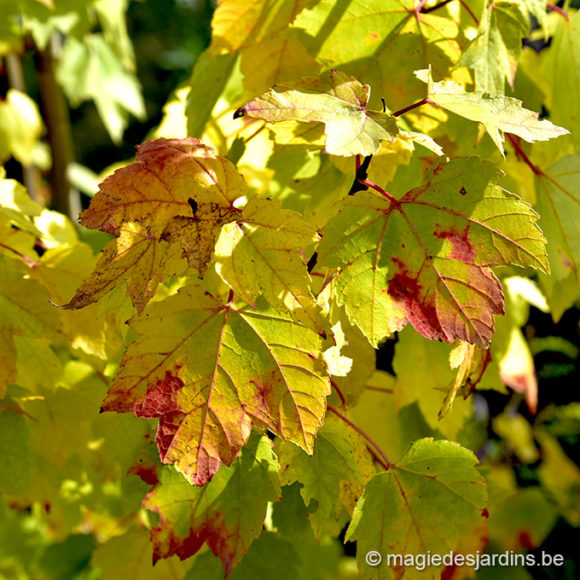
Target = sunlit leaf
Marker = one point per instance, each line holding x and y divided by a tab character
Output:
425	259
338	101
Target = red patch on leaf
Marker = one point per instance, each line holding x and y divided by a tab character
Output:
525	540
461	247
160	402
418	304
485	513
146	471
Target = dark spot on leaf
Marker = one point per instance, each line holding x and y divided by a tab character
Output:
240	112
463	191
485	513
193	204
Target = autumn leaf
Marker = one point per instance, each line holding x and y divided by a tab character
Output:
261	253
425	258
494	53
208	370
135	257
158	186
227	513
497	114
338	101
423	504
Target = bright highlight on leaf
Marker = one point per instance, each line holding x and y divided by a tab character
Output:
497	114
426	258
338	101
424	503
207	371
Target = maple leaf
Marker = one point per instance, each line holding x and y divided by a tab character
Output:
260	32
496	114
424	503
559	77
227	513
135	257
207	370
425	258
558	200
158	186
338	101
386	32
494	52
321	474
260	253
25	312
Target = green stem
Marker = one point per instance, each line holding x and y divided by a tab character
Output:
66	199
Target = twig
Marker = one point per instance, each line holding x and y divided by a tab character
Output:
425	101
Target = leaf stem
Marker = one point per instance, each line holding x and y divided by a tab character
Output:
404	110
559	10
469	11
28	260
380	190
387	463
338	392
520	154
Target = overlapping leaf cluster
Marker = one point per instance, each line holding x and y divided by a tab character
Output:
261	259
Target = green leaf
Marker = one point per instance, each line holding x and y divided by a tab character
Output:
338	101
208	370
497	114
424	503
366	38
560	73
16	465
131	556
558	201
494	52
331	462
228	513
91	70
270	556
425	259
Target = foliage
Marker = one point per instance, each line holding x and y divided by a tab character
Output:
195	386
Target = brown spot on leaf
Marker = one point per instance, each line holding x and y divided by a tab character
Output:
463	191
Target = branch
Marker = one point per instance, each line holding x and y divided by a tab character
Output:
66	199
381	453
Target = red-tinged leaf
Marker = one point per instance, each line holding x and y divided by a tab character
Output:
425	259
159	185
207	370
227	513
